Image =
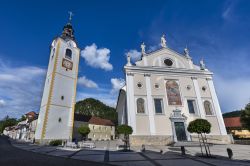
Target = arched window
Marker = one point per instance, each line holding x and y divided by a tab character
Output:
68	53
208	108
140	106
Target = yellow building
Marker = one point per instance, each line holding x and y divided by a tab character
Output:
100	129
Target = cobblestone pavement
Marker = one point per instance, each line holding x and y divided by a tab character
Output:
106	153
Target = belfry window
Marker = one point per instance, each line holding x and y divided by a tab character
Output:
140	106
208	108
68	54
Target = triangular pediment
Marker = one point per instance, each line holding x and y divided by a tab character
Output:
164	57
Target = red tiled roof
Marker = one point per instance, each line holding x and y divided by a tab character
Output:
32	113
232	122
100	121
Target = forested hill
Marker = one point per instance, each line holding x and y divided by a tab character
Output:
95	107
232	114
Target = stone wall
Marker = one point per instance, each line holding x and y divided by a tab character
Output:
215	139
136	140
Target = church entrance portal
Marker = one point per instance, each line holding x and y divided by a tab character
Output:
180	131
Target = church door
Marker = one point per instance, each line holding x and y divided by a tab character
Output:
180	131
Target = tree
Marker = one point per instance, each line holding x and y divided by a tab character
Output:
245	117
126	131
6	122
84	131
201	127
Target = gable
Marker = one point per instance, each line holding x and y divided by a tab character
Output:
165	55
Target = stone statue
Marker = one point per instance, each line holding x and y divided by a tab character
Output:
202	65
128	60
143	48
163	41
186	52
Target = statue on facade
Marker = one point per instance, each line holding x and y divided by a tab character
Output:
186	52
128	60
163	41
202	64
143	46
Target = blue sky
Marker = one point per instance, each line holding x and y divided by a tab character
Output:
217	31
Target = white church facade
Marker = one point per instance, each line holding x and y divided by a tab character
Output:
56	116
164	91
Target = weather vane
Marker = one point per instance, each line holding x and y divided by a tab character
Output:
70	15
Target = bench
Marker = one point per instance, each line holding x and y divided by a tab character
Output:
71	144
86	145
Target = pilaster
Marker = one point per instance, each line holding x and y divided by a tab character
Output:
217	107
131	101
150	104
198	95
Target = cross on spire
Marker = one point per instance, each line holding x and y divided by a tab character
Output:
71	14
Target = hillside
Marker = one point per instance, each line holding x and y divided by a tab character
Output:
231	114
95	107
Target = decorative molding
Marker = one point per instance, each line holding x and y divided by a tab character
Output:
130	74
208	79
194	78
147	75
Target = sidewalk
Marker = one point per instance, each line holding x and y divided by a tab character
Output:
151	157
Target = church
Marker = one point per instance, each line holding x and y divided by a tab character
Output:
164	91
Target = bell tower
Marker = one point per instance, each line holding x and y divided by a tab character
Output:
56	116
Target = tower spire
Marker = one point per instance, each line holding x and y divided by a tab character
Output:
68	31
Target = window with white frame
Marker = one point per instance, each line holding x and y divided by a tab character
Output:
158	105
208	107
191	106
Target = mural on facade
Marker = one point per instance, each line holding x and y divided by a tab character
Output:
173	93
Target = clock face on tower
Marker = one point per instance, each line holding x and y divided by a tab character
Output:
67	64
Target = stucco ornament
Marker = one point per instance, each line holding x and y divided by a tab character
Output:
143	46
163	41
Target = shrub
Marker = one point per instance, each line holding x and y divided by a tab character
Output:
55	142
84	130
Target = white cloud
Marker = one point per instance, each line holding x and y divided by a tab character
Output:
21	88
2	103
134	55
86	82
117	84
97	58
233	94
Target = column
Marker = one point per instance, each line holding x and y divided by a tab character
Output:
131	101
217	107
150	105
198	95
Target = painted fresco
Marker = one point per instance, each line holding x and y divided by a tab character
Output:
173	93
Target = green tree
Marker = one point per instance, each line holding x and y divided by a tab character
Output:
6	122
201	127
245	117
93	107
84	131
126	131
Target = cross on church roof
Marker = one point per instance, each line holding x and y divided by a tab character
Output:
71	14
